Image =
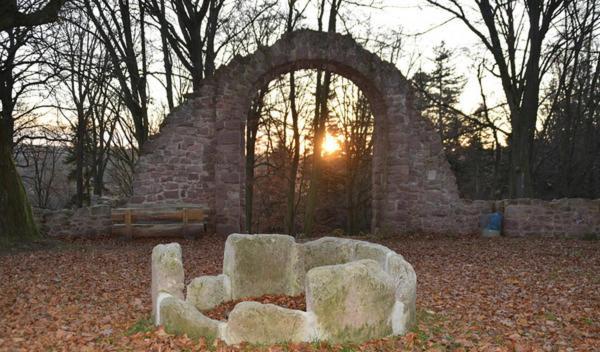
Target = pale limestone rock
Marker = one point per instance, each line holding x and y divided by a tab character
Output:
298	271
352	302
259	264
405	284
328	251
258	323
180	317
207	292
167	272
367	250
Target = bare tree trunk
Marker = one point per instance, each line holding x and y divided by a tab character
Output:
79	156
252	124
290	218
16	218
290	215
321	114
166	55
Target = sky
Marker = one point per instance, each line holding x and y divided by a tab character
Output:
426	27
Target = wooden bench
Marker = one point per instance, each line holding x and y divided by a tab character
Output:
188	222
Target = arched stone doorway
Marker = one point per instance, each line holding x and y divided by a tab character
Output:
198	157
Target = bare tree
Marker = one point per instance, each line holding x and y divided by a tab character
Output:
123	36
16	218
12	15
514	33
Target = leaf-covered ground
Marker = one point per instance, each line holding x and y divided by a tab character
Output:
473	294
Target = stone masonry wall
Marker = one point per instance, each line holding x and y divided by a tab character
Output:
198	156
88	222
556	218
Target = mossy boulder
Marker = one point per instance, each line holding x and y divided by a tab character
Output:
260	264
258	323
207	292
167	272
180	317
352	302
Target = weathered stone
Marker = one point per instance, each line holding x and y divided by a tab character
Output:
367	250
167	272
328	251
412	178
405	285
254	322
352	302
259	264
207	292
298	270
180	317
407	151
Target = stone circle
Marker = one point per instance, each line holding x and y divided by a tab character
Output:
355	291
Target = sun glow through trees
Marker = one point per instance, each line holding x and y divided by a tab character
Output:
331	144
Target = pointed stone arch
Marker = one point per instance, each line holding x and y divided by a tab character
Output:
198	157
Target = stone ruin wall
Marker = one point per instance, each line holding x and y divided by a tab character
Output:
197	158
86	222
572	218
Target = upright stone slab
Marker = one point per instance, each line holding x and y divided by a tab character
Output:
328	251
258	323
260	264
405	285
352	302
167	272
207	292
367	250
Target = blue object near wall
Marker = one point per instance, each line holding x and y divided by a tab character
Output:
494	222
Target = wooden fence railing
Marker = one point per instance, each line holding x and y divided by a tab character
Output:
158	222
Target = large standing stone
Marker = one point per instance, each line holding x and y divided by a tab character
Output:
207	292
167	272
328	251
180	317
267	324
405	284
352	302
260	264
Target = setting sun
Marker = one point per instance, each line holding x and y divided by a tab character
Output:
331	144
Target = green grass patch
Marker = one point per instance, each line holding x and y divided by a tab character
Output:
591	237
143	325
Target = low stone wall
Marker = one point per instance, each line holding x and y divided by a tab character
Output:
568	217
88	222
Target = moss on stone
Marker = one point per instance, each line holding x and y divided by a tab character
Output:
259	264
207	292
16	218
328	251
179	317
266	324
405	283
167	271
352	302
